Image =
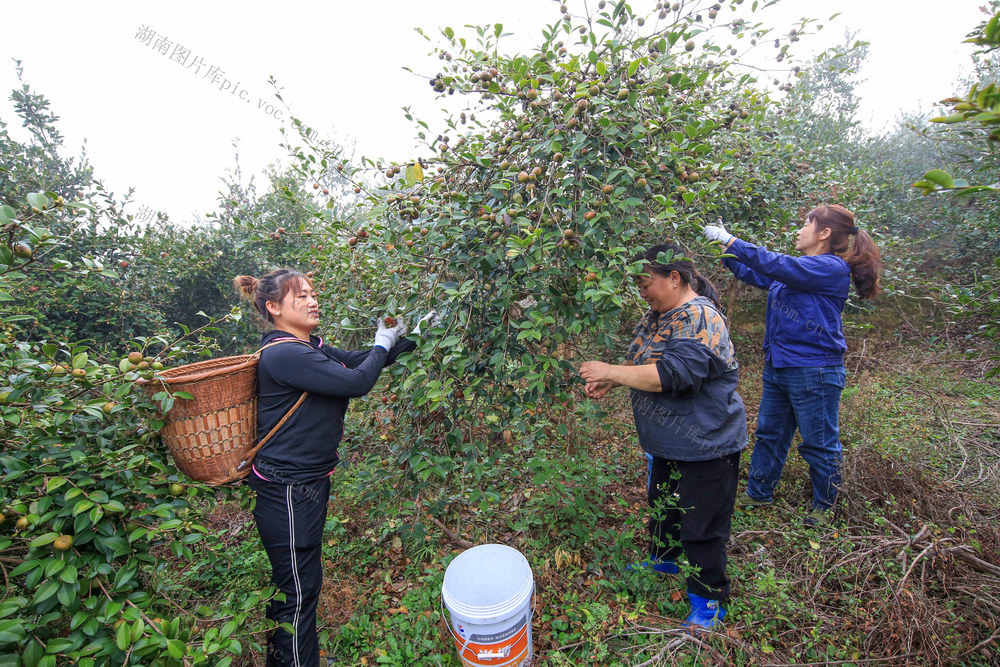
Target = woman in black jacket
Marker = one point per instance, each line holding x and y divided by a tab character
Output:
682	375
291	472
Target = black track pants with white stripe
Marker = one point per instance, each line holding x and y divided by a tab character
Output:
290	519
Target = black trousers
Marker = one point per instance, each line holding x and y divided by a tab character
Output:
692	504
290	520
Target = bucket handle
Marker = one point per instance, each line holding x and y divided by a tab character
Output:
465	643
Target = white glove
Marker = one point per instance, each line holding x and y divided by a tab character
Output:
386	337
432	319
718	233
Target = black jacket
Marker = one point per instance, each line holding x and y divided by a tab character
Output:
305	447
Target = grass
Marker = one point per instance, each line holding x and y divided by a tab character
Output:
908	573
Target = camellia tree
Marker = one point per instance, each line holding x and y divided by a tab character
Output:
973	126
90	507
620	131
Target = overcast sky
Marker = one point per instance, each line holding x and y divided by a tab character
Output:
163	126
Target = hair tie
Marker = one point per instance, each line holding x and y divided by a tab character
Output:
853	231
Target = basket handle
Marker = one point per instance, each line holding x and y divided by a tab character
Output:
253	452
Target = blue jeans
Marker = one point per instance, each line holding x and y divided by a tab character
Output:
649	462
807	399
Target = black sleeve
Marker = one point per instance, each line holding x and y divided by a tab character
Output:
354	358
313	371
687	363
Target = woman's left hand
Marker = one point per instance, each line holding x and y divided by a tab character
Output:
595	371
427	322
718	233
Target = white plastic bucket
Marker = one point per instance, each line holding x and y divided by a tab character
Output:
488	591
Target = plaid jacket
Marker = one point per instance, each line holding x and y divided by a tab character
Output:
697	415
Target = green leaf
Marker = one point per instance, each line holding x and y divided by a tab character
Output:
33	654
176	648
47	538
80	360
47	590
414	174
38	200
60	645
80	204
954	118
7	214
123	637
54	566
11	631
940	177
69	574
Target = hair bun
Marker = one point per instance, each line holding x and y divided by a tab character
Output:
246	286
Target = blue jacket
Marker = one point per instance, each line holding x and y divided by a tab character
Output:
805	299
697	414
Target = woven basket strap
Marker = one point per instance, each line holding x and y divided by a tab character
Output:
225	370
279	341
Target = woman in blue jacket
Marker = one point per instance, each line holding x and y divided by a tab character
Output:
291	472
803	347
682	373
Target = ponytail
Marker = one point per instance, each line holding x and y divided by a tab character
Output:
862	256
704	287
865	261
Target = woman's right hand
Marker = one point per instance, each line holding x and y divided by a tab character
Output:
386	337
597	390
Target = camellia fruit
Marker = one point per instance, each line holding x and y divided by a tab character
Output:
63	542
22	250
390	321
134	357
176	489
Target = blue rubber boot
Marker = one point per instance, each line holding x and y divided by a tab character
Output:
705	613
655	564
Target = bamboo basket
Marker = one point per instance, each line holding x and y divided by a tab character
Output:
213	436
